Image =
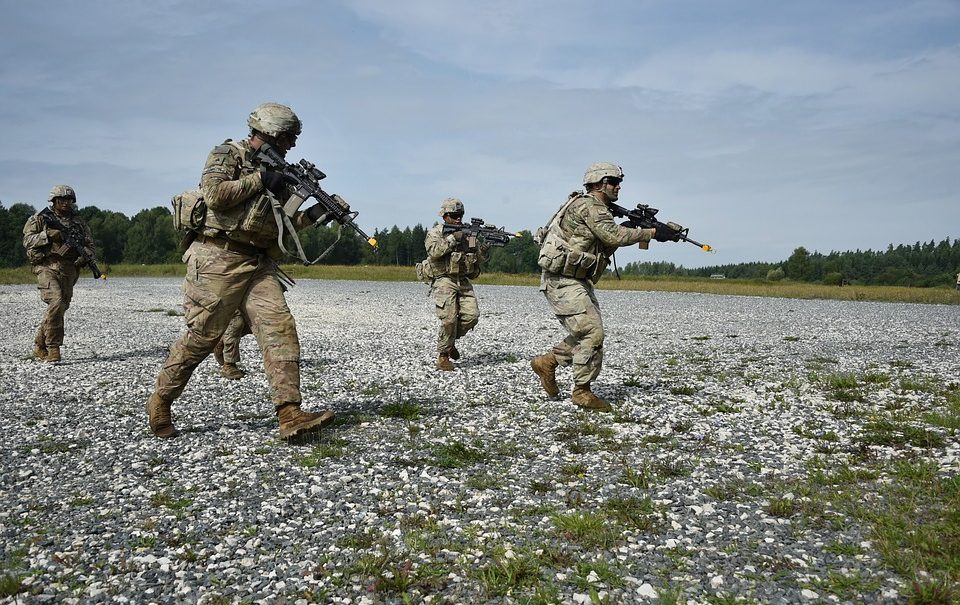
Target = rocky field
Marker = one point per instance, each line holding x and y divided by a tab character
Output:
760	451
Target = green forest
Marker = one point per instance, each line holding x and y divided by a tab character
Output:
149	238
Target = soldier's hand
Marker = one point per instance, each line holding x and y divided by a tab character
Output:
458	235
665	234
273	181
316	212
54	235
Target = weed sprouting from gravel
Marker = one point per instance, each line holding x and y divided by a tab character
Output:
457	454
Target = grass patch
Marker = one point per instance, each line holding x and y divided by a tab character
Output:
332	449
587	528
407	410
457	454
885	432
683	390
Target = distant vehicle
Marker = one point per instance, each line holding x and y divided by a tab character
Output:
718	276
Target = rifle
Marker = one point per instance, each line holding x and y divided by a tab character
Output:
304	177
644	217
73	238
477	228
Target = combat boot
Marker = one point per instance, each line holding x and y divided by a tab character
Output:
454	353
230	371
53	353
584	398
218	352
40	352
545	367
444	363
294	421
158	411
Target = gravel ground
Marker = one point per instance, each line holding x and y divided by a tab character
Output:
460	487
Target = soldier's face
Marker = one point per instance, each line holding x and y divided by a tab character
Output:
453	219
65	206
611	188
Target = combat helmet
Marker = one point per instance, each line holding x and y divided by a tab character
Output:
274	119
61	191
596	172
451	205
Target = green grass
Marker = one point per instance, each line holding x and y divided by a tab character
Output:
457	454
590	529
408	410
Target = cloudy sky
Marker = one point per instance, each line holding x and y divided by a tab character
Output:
763	126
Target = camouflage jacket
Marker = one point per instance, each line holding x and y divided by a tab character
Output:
581	238
42	250
448	258
237	203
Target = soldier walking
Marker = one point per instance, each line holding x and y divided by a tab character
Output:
231	266
56	265
576	246
452	261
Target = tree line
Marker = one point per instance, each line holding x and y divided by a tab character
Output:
920	265
149	238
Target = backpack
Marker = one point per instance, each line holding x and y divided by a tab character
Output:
189	211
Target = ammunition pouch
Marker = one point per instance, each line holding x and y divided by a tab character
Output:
425	271
189	211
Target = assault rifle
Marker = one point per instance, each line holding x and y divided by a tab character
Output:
644	217
73	238
304	178
477	228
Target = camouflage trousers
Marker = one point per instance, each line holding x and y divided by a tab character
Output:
457	310
218	284
577	309
236	329
55	280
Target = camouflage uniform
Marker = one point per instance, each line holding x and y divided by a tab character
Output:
56	267
452	267
231	268
588	227
236	329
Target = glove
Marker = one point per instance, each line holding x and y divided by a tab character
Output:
315	212
54	235
273	182
667	233
458	235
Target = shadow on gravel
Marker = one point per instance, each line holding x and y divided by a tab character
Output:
158	352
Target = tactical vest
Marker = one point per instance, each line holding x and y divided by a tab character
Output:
255	214
559	257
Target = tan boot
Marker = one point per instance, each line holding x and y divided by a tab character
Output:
444	363
218	352
53	353
294	421
158	411
584	397
454	353
545	367
230	371
40	352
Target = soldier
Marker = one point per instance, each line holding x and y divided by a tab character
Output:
451	263
56	265
231	266
575	249
227	351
